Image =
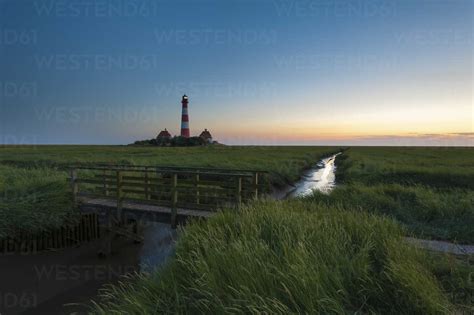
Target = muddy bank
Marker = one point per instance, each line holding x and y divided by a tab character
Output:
48	282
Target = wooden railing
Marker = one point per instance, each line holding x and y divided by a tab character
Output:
86	229
189	188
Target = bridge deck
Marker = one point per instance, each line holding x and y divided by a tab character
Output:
141	210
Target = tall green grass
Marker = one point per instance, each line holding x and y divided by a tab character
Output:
285	258
456	276
442	168
429	190
32	200
427	212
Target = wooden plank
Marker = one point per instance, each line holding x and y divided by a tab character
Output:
216	190
147	187
95	181
238	192
81	230
133	191
142	178
224	183
174	171
106	185
104	175
140	185
74	185
255	183
97	226
196	182
119	196
168	168
132	206
174	201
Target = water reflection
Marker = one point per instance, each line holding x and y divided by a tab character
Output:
322	178
158	245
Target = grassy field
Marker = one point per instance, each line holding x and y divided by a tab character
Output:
34	193
292	257
342	253
429	190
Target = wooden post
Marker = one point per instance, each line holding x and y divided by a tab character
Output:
119	197
174	200
238	192
147	183
255	185
197	188
74	186
106	186
136	231
106	246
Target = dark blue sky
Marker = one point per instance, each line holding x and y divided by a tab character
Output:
269	72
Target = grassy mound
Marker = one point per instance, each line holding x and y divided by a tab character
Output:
455	273
32	200
285	257
427	212
429	190
442	168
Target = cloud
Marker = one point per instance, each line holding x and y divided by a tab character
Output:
468	134
419	139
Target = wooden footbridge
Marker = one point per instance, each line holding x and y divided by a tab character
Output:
123	193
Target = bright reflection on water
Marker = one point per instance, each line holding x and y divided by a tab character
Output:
321	178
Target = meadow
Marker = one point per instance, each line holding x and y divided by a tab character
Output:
429	190
34	193
289	257
339	253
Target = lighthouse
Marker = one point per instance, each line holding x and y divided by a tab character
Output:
185	118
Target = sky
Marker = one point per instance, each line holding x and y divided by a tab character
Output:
270	72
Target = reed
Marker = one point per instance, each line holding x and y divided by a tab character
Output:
285	258
429	190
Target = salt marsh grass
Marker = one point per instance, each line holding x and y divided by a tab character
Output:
286	258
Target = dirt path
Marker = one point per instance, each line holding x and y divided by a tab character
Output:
442	246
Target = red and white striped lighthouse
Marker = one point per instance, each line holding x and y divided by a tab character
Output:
185	118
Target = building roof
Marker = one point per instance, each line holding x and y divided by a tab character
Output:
205	134
164	134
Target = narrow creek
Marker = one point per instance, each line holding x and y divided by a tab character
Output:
64	282
321	178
